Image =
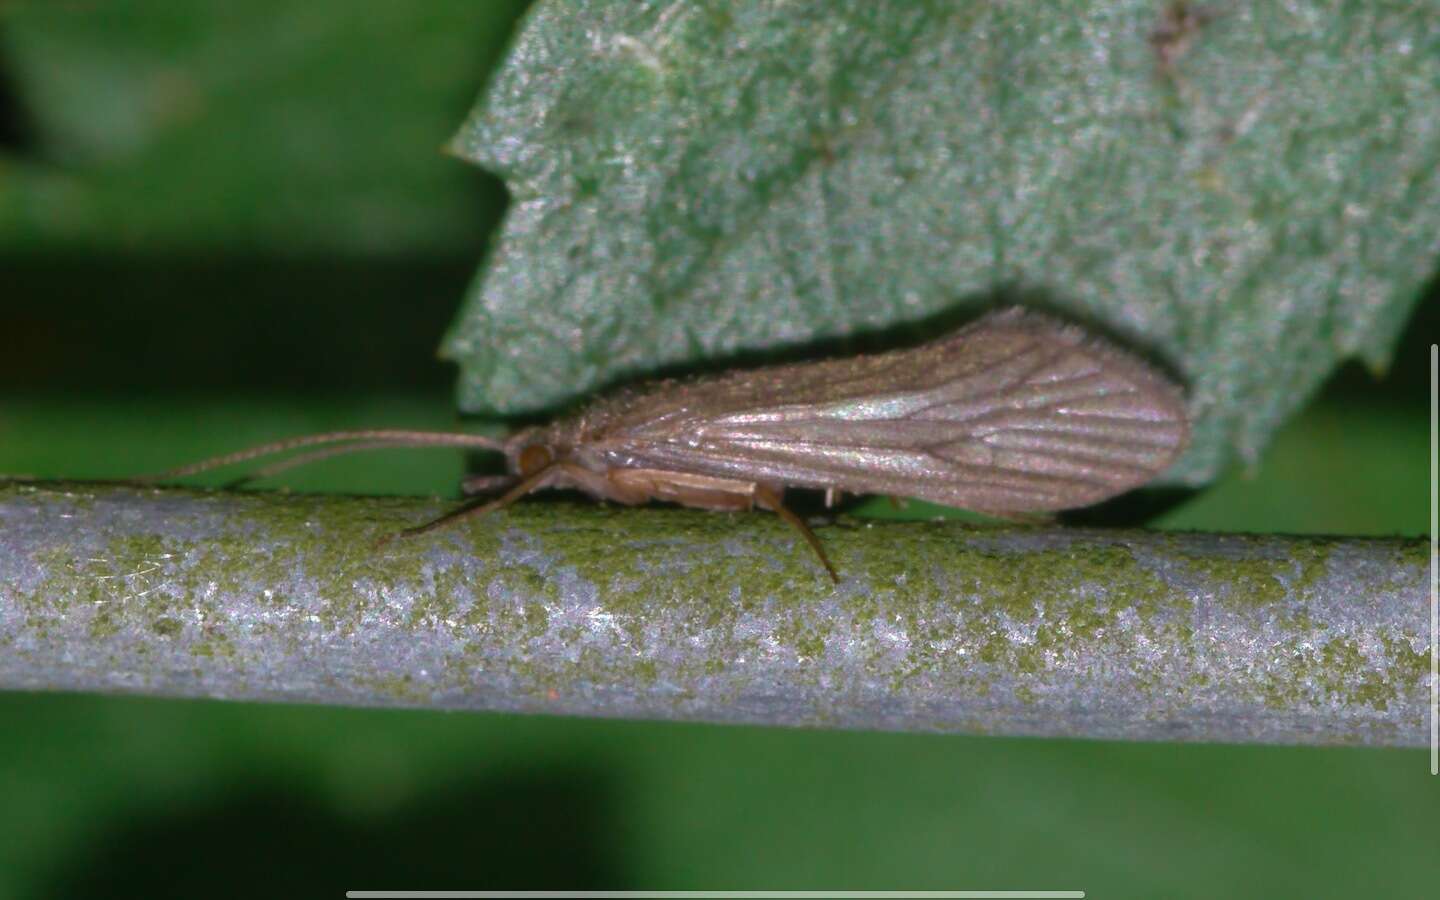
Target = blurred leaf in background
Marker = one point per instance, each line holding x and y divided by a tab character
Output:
1252	192
210	126
242	196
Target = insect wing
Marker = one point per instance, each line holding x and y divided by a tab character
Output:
1016	413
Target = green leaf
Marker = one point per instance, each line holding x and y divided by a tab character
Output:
1249	192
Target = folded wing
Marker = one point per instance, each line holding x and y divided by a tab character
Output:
1016	413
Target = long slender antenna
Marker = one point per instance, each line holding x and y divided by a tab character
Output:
364	440
313	456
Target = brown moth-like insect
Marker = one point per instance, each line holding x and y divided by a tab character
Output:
1016	413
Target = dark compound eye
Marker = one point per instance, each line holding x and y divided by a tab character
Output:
534	458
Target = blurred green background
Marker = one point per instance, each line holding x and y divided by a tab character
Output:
223	223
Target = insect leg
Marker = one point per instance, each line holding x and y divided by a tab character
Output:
485	484
539	480
685	488
768	498
613	484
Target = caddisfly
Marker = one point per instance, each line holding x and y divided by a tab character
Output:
1016	413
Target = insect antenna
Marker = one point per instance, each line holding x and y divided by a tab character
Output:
305	459
350	441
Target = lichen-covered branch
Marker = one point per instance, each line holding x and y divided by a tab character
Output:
675	614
